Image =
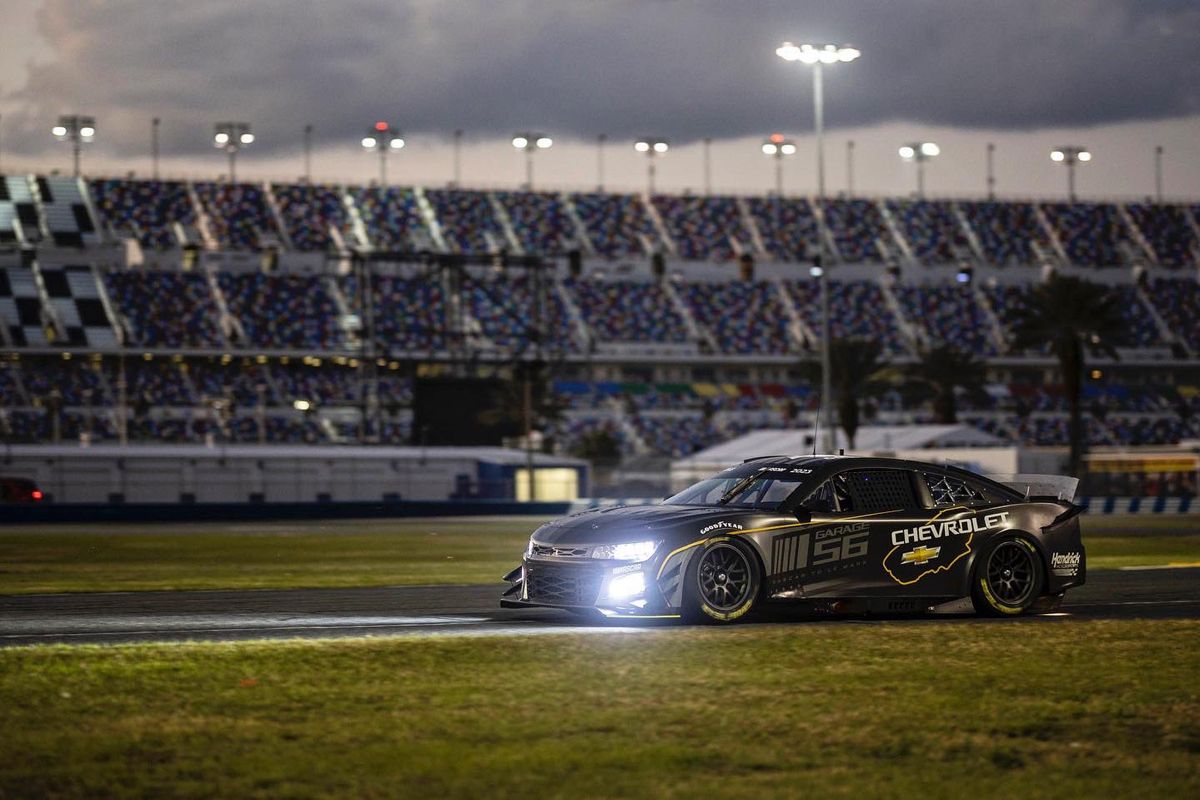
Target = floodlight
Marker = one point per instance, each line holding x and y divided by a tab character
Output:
1084	155
1057	155
930	149
660	147
221	138
816	271
368	142
788	149
544	141
907	152
246	138
641	147
769	149
87	132
396	143
59	131
520	142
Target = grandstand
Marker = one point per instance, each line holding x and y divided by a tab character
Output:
234	313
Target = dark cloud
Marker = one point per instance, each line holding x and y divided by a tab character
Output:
680	68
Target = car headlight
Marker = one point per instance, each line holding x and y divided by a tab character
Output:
632	551
623	587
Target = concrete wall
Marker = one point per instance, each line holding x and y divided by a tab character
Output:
170	474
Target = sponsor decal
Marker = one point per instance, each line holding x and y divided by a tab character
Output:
723	524
951	527
824	551
920	555
1065	565
907	565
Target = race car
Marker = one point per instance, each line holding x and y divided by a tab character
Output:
842	534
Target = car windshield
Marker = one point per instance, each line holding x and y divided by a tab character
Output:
762	488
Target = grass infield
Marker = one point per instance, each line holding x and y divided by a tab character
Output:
323	553
935	709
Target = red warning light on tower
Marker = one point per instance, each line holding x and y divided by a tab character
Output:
381	126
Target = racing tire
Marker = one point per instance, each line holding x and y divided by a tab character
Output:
1008	578
722	583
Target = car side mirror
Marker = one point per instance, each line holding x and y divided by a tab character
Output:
803	514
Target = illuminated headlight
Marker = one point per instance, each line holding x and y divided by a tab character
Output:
623	587
633	551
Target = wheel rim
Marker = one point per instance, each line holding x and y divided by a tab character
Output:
1011	573
724	577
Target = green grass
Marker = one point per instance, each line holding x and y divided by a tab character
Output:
1023	709
128	557
102	557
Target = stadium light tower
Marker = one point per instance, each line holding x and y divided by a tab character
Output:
1069	155
383	138
232	137
777	147
77	130
653	147
920	152
817	56
530	142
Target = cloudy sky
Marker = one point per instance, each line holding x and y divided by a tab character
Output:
1118	76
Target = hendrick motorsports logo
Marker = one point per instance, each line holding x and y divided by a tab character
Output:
907	565
1065	565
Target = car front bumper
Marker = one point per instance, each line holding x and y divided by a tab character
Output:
600	586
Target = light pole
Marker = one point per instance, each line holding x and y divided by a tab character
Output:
600	140
154	125
707	165
920	152
653	147
777	147
232	137
1069	155
1158	161
383	139
76	129
529	142
850	168
458	137
991	171
817	56
308	132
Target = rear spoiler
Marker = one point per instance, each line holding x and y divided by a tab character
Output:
1040	487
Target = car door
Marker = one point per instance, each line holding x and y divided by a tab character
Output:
850	543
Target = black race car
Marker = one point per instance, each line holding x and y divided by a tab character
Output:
839	533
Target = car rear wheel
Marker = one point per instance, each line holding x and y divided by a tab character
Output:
722	583
1008	578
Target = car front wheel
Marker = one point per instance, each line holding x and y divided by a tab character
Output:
722	584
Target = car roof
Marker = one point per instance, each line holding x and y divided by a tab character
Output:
823	465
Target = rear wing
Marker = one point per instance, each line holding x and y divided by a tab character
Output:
1040	487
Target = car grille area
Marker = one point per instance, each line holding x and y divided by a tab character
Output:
559	552
563	585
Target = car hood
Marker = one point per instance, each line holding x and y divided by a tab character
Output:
635	524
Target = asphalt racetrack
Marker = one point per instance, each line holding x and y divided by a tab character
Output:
105	618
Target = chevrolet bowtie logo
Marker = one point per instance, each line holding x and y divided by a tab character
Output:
920	555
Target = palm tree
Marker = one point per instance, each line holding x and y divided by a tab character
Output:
1069	314
858	371
937	376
